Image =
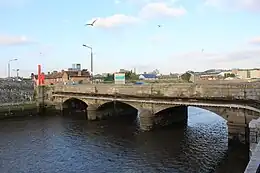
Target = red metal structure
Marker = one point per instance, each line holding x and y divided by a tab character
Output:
41	76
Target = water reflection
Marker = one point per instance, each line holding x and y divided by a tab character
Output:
72	144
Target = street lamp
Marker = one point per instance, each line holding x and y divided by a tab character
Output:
91	59
17	72
9	62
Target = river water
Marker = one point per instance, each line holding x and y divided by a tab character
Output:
73	145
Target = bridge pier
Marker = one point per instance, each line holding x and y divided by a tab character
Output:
237	133
146	118
149	120
40	99
92	112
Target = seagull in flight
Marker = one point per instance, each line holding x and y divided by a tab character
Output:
159	26
91	24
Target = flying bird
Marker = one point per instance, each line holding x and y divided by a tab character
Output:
202	50
91	24
159	26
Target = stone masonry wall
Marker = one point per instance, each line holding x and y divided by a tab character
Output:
232	91
15	91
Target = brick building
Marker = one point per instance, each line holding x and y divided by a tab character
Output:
65	77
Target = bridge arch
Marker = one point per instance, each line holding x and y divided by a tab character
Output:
74	104
117	108
220	111
109	103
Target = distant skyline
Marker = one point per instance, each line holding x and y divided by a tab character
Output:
126	35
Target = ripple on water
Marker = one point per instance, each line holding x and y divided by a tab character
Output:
58	144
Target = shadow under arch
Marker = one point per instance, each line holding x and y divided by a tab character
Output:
74	106
117	109
172	116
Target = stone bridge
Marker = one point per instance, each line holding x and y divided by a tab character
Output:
163	104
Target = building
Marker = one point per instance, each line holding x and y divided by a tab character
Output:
124	71
215	75
255	73
241	73
148	77
211	76
75	67
247	73
65	77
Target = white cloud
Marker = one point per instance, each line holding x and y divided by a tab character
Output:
255	41
13	3
114	21
200	61
161	9
117	1
252	5
7	40
150	9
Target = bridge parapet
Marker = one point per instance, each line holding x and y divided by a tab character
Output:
230	91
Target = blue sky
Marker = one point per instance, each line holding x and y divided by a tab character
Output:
126	34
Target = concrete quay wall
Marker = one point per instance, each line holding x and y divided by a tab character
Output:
254	138
18	110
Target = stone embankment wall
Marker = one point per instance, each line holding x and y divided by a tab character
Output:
254	138
16	91
16	98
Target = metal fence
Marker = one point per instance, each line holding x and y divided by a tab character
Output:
16	91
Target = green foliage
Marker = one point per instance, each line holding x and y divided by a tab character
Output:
186	77
110	77
128	76
131	76
226	75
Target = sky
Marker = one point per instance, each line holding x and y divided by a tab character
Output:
194	35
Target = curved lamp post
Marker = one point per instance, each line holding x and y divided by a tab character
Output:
91	59
9	64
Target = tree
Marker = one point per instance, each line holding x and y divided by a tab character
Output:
186	76
227	75
110	77
156	71
128	75
131	76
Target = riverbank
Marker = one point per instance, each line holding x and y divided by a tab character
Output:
18	110
21	110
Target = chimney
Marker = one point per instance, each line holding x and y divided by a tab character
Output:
79	73
32	75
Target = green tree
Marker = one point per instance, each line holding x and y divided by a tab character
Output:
128	75
131	76
110	77
186	76
226	75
